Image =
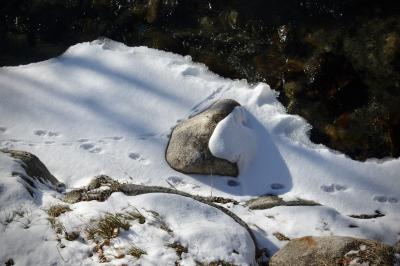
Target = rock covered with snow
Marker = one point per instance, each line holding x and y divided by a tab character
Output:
234	140
188	150
34	169
333	250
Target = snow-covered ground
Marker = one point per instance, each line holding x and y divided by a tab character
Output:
105	108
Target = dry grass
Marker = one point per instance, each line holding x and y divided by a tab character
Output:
110	225
159	220
215	263
57	210
134	215
136	252
179	249
60	229
107	227
281	237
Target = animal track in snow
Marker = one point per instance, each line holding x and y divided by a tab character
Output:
39	132
383	199
277	186
83	140
45	133
96	150
333	188
67	144
137	157
3	129
114	138
53	134
87	146
195	109
134	156
233	183
90	147
176	181
146	136
106	140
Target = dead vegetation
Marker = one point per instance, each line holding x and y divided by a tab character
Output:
160	222
222	200
57	210
281	237
60	230
107	227
92	192
110	225
136	252
101	231
179	249
377	214
215	263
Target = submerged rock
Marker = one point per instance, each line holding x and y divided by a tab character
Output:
188	151
333	250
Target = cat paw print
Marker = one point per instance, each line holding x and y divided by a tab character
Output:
333	188
277	186
90	147
385	199
45	133
138	157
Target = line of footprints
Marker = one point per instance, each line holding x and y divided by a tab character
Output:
84	144
331	188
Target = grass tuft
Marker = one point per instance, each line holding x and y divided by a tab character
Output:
134	215
57	210
136	252
215	263
107	227
179	249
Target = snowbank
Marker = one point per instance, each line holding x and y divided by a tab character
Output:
105	108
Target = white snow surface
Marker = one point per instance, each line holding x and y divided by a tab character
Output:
209	234
105	108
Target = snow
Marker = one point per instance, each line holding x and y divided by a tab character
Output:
105	108
233	140
209	234
9	191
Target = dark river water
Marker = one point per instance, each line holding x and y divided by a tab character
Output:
335	63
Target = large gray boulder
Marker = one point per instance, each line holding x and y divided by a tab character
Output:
188	151
332	251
